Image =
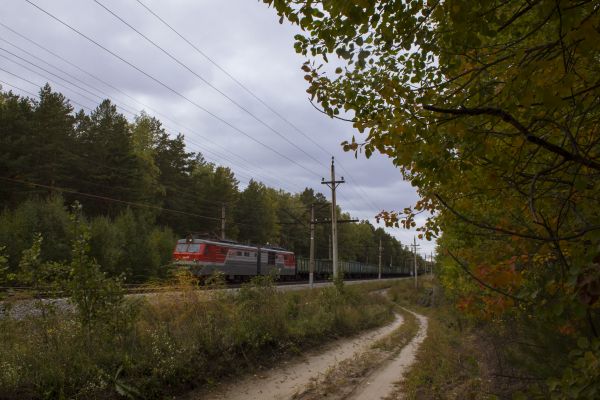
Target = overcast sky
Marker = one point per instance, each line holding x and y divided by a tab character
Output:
245	39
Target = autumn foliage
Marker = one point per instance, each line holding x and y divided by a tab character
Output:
491	110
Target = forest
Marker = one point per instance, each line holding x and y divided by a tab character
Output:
139	190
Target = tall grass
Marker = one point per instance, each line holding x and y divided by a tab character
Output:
172	342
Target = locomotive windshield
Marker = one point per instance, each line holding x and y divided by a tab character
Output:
189	248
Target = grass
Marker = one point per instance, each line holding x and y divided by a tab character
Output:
175	342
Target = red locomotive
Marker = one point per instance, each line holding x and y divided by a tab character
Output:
235	260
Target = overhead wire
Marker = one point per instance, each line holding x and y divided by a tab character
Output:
260	100
169	88
101	46
241	107
208	83
110	199
146	106
133	113
18	88
48	72
38	86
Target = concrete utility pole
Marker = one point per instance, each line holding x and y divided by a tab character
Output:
415	255
311	267
223	222
333	184
380	249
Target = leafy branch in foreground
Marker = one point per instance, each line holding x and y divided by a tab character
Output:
491	110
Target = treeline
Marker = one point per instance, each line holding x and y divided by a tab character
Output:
140	189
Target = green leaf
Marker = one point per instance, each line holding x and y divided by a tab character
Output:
583	343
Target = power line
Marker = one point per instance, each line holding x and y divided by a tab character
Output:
110	199
133	113
63	190
38	86
215	116
18	88
48	72
264	103
209	84
56	55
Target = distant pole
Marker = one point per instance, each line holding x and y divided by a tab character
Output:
330	246
431	261
333	184
223	222
258	251
311	267
379	276
415	255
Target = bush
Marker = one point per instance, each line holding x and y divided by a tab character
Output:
48	217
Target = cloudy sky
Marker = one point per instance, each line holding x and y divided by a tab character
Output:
225	122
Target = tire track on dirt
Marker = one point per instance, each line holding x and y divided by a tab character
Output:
382	383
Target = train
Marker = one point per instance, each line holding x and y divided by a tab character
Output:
239	262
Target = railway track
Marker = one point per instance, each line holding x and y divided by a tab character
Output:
25	292
23	302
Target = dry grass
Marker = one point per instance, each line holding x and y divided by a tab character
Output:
176	341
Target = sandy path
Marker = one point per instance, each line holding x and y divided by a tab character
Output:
381	383
282	382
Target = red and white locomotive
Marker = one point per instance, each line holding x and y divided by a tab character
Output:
235	260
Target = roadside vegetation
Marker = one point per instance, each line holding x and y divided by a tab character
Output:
113	347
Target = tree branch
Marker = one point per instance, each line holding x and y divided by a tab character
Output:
492	288
496	112
512	233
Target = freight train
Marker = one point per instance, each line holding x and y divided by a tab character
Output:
239	261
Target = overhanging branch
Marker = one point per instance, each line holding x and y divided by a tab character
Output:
530	137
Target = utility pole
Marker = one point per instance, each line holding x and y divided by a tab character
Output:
379	276
431	261
311	267
258	260
223	221
330	246
333	184
415	255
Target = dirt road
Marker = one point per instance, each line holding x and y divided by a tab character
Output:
285	381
